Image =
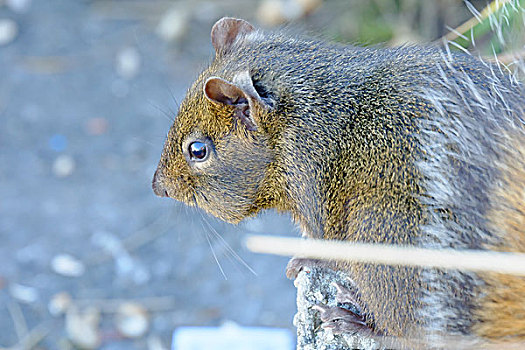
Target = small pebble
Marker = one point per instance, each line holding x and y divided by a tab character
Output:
97	126
63	166
67	265
82	327
19	6
173	25
59	304
24	294
8	31
125	265
128	63
132	320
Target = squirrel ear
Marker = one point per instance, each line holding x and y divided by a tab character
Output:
226	30
222	91
241	94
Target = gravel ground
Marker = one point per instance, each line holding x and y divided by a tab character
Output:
87	93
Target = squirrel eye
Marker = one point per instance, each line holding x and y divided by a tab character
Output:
198	151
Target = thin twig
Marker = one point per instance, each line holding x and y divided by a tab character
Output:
18	319
472	22
34	337
471	260
139	238
511	57
152	304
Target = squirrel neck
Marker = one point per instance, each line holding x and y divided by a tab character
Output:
341	179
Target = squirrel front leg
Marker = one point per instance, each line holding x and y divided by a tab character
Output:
373	305
388	296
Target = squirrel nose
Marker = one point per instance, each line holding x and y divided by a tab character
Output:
158	186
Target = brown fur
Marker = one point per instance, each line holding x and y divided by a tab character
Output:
508	211
501	312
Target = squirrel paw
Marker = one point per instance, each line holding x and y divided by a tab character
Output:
296	265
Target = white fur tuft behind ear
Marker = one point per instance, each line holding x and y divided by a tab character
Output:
226	31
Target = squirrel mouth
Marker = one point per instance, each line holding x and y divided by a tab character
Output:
163	187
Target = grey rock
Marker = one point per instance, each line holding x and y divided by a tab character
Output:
316	286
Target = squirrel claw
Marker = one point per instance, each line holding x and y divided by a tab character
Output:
341	320
345	296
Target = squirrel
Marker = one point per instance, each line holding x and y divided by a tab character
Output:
413	145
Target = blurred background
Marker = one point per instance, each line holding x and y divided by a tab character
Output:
89	257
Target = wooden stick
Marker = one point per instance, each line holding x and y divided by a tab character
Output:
470	260
473	21
511	57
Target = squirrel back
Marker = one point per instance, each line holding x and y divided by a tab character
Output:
411	145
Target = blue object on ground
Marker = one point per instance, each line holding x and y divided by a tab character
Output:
58	143
230	336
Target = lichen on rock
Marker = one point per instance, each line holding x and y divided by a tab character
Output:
316	286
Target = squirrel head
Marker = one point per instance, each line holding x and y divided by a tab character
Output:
217	154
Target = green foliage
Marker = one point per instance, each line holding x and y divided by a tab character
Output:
496	29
